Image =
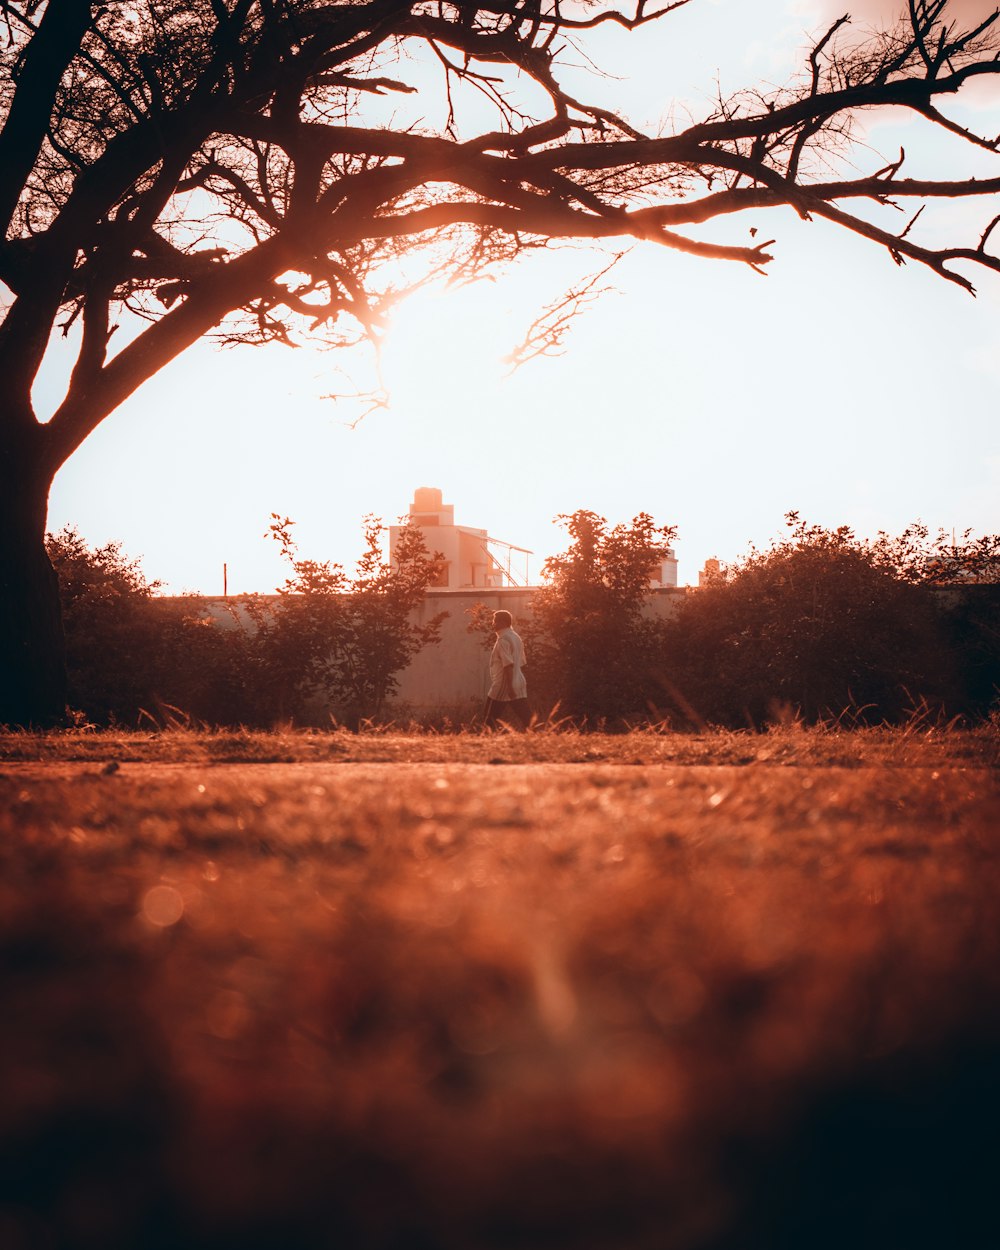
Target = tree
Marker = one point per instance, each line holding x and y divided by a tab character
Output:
111	629
328	635
343	637
591	649
131	655
171	169
825	622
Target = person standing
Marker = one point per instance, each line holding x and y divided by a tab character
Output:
508	694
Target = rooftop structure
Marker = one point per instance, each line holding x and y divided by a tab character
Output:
472	557
664	572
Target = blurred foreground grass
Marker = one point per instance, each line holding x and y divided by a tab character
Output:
502	991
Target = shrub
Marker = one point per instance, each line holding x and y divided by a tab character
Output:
824	622
110	626
590	648
970	622
328	639
334	641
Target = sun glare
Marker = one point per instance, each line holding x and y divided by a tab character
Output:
444	352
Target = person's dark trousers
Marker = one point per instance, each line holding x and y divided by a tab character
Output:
511	711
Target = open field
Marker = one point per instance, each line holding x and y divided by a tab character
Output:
645	991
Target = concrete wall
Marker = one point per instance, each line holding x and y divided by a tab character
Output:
456	671
454	674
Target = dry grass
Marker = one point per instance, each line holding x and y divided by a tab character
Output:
918	745
639	991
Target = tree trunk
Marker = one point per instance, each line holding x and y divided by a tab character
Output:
32	652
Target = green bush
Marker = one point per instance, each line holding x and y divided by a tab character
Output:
332	641
970	624
112	635
590	649
824	623
132	656
326	641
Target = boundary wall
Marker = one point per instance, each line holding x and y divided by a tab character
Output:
453	675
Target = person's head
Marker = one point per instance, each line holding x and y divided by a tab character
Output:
502	620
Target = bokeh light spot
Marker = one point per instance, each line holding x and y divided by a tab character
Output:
163	906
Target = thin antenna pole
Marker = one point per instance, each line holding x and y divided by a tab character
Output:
225	580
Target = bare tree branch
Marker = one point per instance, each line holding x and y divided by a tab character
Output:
547	333
46	56
247	116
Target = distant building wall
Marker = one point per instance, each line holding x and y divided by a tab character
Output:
454	673
665	571
467	558
456	670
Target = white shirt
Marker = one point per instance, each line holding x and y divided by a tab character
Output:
508	649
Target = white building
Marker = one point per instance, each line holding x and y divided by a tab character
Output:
472	557
665	571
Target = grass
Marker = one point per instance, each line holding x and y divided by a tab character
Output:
709	992
916	745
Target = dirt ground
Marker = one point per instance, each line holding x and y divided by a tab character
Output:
427	1004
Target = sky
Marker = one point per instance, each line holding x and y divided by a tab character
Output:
712	397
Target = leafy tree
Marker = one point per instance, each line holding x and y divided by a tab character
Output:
130	654
346	638
379	637
175	168
111	629
207	669
329	636
970	623
591	649
822	622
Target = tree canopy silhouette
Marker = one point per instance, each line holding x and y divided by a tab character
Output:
335	642
823	624
594	652
176	168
